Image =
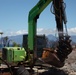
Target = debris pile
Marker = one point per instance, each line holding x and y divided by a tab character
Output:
70	64
68	69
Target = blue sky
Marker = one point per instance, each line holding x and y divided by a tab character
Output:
14	17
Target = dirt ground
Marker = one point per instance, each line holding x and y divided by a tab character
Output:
70	65
68	69
5	74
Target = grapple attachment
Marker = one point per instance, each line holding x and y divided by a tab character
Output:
57	57
49	56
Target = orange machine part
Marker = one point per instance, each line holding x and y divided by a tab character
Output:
49	56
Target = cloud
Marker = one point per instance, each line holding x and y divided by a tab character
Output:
14	33
39	31
1	31
71	31
21	32
45	31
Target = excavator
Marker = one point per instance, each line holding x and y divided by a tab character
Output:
64	48
19	56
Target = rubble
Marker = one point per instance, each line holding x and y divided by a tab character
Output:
70	64
68	69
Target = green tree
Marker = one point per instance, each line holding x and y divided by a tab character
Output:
15	44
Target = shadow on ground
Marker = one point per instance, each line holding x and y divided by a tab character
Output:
54	71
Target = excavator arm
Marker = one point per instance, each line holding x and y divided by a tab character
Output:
32	22
64	48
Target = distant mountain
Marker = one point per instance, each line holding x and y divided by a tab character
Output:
73	38
51	37
19	38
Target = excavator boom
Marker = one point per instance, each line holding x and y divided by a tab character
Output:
64	48
32	22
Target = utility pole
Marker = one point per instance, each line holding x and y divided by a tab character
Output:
1	33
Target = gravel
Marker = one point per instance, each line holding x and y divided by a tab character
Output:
68	69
